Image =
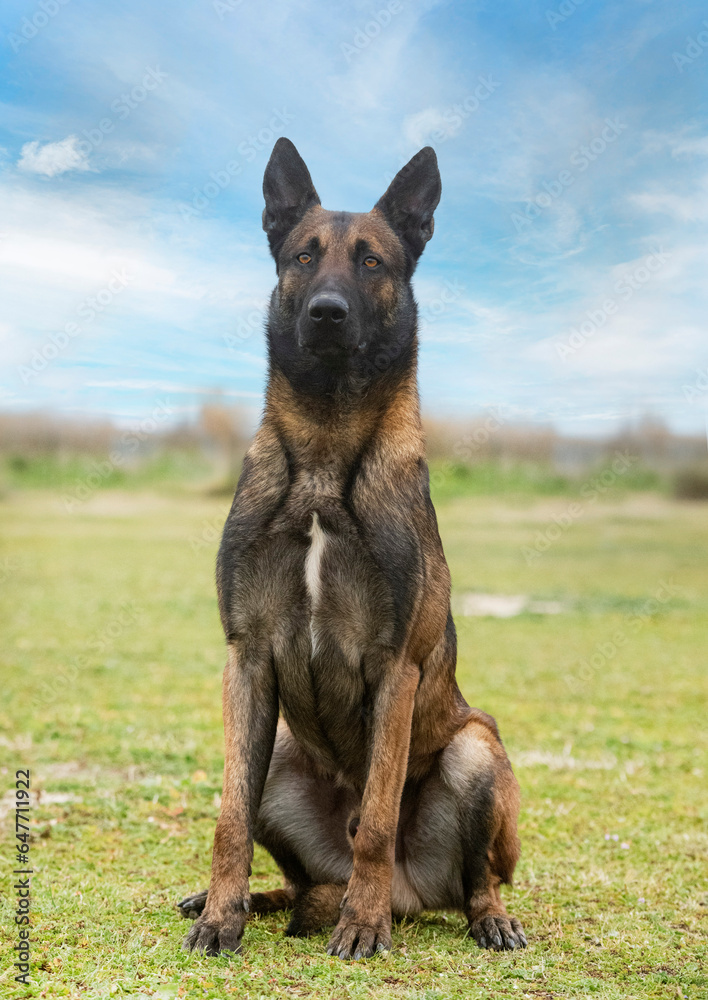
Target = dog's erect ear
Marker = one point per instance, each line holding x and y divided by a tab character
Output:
411	199
288	191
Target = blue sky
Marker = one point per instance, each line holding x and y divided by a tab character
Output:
565	283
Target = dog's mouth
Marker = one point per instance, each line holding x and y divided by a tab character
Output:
330	348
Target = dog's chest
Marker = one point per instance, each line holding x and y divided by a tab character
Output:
313	574
342	587
323	678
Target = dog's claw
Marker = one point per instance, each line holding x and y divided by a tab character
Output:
192	906
499	933
359	940
212	936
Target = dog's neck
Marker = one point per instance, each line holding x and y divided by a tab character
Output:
336	430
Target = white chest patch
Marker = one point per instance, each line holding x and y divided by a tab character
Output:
313	565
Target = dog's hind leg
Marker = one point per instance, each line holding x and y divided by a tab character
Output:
273	900
316	907
475	762
303	823
298	810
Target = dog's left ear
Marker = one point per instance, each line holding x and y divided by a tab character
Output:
288	191
411	199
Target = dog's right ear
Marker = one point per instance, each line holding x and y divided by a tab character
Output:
288	191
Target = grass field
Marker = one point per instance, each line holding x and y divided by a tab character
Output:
111	663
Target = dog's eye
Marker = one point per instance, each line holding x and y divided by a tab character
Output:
304	258
371	261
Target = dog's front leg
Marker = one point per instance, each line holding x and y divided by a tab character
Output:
365	923
250	708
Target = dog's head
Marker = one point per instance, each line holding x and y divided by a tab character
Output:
343	303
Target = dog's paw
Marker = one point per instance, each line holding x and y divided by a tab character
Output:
211	936
355	938
192	906
498	933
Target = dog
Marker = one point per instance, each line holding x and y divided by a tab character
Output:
380	791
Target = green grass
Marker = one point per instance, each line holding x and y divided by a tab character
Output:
78	476
450	480
111	663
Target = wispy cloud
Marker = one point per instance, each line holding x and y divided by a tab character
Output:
53	157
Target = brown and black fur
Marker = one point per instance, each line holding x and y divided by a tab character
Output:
380	790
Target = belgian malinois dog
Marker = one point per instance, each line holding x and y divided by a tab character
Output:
380	791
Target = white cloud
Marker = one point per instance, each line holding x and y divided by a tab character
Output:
691	207
70	243
685	199
190	285
418	128
684	142
53	158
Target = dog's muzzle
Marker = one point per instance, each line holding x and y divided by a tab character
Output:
326	330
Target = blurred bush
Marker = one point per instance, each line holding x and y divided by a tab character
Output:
46	450
486	455
691	484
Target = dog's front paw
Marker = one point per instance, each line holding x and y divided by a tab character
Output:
212	934
360	936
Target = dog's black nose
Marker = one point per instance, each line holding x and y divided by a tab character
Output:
328	306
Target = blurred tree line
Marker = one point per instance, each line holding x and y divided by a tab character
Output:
42	448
